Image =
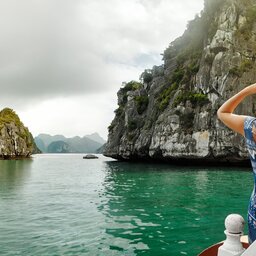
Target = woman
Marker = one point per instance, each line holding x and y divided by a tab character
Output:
246	126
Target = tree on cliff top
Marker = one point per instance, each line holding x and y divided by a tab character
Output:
8	115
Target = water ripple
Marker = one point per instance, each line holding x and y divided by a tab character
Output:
63	205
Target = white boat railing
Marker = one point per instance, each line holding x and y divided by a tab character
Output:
232	246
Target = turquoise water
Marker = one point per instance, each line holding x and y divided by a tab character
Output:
65	205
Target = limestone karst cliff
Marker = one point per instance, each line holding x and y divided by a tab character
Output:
171	113
15	139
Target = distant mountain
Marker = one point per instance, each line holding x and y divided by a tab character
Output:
60	144
48	139
40	144
59	147
96	137
101	149
83	145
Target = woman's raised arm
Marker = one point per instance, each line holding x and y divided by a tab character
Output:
225	112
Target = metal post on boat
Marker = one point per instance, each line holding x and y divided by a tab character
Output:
232	246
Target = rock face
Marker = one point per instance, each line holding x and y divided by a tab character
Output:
171	113
15	139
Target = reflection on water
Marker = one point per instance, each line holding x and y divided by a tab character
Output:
64	205
159	209
144	212
13	173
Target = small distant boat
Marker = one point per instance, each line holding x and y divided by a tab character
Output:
90	156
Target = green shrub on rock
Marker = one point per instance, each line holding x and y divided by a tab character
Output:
8	115
165	96
197	99
119	111
245	66
132	86
246	29
132	125
146	76
141	103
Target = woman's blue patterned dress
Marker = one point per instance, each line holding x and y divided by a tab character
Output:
249	127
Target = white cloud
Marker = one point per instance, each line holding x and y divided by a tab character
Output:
77	116
54	53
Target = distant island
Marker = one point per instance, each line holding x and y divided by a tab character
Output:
60	144
16	141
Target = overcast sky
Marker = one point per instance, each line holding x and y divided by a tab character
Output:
63	61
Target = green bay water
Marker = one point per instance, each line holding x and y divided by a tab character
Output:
66	205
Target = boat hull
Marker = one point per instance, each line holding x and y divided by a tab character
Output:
213	250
